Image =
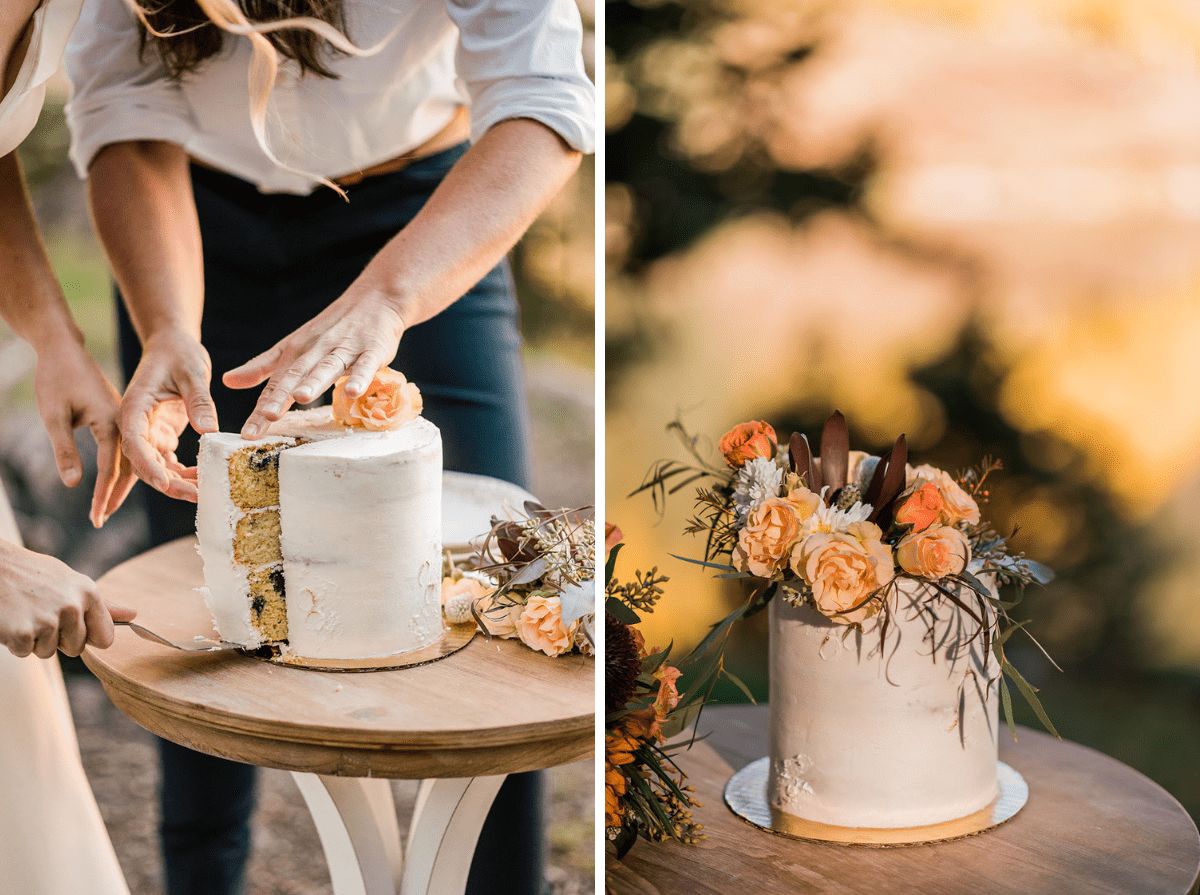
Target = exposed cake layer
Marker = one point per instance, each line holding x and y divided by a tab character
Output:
861	736
360	516
237	523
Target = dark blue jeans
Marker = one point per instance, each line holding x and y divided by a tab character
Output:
271	263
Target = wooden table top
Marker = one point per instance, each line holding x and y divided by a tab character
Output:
491	708
1092	826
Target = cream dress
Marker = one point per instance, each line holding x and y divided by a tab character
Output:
52	838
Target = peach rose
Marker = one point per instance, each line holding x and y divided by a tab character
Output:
473	589
501	621
747	441
764	544
844	569
921	508
389	402
540	626
935	552
957	505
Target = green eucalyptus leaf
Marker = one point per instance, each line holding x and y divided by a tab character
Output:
611	565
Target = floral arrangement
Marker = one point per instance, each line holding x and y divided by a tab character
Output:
841	532
533	579
645	793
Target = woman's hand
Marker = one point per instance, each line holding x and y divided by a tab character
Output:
46	605
168	389
356	335
72	391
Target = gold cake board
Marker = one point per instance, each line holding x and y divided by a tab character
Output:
746	796
452	639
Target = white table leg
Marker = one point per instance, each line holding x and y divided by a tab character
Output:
356	821
445	828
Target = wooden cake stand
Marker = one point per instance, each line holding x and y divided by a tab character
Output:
1092	826
460	724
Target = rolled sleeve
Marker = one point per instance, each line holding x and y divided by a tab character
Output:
115	95
524	60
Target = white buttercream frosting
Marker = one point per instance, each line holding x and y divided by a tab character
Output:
360	520
863	736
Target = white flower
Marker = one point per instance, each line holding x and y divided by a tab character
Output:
830	519
758	480
458	609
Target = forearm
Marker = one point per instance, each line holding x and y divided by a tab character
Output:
475	216
31	300
142	205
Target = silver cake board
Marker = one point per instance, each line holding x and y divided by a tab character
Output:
746	796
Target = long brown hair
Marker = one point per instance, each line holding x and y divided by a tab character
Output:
184	35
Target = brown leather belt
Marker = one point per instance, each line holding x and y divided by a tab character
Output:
458	130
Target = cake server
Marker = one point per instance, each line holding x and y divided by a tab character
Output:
199	645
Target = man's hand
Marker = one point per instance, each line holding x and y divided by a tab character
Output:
356	336
46	605
169	389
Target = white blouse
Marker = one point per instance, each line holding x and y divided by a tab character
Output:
19	108
502	58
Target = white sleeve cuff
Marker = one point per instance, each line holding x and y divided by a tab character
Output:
566	107
93	129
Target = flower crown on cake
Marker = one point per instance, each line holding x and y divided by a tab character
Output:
842	530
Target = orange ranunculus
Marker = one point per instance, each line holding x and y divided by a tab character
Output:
921	508
541	628
747	441
389	402
612	536
936	552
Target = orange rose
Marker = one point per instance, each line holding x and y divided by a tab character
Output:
844	569
764	544
957	505
936	552
389	402
541	628
747	441
921	508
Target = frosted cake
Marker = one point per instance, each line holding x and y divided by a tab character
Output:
324	539
884	734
